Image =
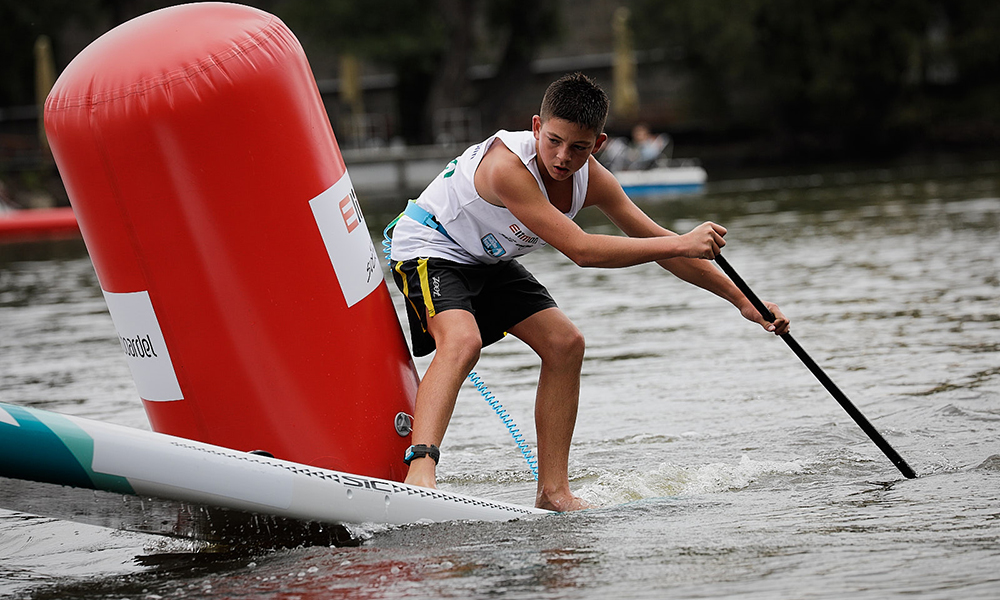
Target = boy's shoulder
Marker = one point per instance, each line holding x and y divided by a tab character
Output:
602	186
501	155
520	144
502	173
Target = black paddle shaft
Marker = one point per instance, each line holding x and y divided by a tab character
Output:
828	383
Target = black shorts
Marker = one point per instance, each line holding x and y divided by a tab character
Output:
499	296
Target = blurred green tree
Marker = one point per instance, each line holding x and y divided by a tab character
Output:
961	62
828	76
429	47
524	31
405	36
70	24
21	23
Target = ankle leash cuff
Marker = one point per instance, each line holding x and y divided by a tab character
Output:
420	451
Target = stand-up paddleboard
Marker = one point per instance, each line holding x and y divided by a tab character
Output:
48	447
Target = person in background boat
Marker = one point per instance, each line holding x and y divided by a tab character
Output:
647	148
643	151
453	258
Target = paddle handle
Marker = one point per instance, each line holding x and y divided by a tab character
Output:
828	383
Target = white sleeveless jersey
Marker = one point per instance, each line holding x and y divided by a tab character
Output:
482	232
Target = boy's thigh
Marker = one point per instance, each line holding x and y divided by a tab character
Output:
431	286
508	298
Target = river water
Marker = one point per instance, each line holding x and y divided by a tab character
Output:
721	468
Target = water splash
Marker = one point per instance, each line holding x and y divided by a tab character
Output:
992	463
676	480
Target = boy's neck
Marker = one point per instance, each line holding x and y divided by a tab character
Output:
560	193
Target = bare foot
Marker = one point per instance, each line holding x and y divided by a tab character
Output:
561	503
422	473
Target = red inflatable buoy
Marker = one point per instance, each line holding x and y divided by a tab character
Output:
228	240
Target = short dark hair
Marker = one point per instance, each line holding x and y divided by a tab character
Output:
578	99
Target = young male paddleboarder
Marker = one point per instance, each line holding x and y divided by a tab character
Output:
453	258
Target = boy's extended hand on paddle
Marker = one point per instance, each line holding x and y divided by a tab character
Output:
780	325
706	241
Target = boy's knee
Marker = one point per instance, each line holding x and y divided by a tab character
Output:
576	344
567	347
463	347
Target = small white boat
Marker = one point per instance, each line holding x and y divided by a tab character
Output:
677	177
648	170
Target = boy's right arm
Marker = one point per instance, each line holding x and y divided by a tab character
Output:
503	180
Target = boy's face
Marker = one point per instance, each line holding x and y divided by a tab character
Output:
564	147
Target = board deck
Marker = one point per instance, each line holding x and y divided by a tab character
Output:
48	447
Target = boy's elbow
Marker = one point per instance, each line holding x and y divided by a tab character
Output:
587	262
583	257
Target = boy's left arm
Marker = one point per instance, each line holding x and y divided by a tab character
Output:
606	193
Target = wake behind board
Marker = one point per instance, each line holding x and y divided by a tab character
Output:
42	446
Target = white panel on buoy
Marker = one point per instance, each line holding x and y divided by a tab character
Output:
345	235
143	345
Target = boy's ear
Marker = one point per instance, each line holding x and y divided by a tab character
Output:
599	143
536	125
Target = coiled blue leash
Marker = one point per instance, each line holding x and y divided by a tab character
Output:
484	391
508	422
387	240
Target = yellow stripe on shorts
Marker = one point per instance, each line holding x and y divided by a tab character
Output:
425	286
406	289
406	284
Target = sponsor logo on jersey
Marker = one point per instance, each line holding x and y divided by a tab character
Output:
527	239
492	246
475	151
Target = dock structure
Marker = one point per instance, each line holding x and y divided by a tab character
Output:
388	174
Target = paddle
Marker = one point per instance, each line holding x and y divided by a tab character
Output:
831	387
